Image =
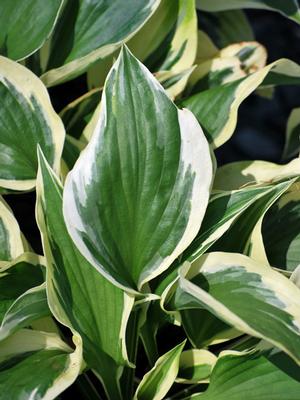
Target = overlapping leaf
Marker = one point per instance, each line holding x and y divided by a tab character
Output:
247	295
78	295
26	120
240	174
222	210
244	236
91	30
18	19
203	328
12	243
216	109
18	276
177	64
138	192
195	366
281	231
256	375
289	8
227	65
30	306
25	351
226	27
77	114
144	44
157	382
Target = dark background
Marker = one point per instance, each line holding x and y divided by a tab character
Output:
262	122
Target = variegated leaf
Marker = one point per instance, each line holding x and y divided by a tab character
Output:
229	64
244	236
245	294
216	109
138	192
27	119
18	19
195	366
222	210
226	27
72	150
240	174
266	374
18	276
281	231
177	66
78	113
143	44
203	328
289	8
37	365
95	29
183	47
12	242
30	306
157	382
78	295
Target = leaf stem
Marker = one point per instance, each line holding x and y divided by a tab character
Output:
127	379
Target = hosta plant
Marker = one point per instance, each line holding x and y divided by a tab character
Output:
160	275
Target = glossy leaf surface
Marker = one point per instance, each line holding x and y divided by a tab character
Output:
249	296
79	296
18	19
267	375
26	120
91	30
136	197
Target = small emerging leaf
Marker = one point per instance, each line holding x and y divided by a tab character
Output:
157	382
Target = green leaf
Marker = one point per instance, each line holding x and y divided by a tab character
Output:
222	210
203	328
26	120
16	277
267	375
147	40
138	192
72	150
289	8
292	136
18	19
11	240
248	295
216	109
195	366
174	83
155	317
78	295
244	236
143	44
30	306
240	174
157	382
183	47
177	65
27	352
281	231
91	30
78	113
229	64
